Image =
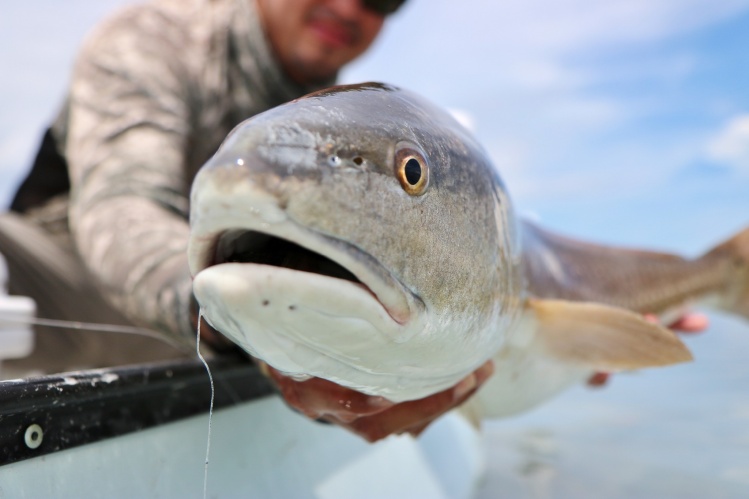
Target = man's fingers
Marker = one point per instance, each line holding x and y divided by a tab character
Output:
416	415
317	397
372	417
599	379
691	323
404	415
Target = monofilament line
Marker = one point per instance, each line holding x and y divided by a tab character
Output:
210	411
91	326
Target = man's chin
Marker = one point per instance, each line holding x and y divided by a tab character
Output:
314	74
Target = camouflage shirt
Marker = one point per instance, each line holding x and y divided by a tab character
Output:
154	91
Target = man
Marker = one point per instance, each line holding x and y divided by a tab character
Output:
154	91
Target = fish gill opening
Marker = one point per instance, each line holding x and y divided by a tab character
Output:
249	246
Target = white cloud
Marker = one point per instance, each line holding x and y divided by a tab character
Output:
730	146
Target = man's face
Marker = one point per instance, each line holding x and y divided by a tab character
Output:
313	39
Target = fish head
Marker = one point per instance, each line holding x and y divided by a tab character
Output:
359	234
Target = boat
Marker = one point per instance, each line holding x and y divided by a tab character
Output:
142	431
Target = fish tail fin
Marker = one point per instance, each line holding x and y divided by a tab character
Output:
734	253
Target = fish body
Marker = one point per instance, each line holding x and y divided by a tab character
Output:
360	234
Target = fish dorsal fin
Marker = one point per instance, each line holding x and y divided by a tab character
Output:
603	337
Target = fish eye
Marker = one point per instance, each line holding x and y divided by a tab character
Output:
412	170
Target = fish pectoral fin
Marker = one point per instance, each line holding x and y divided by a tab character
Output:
602	337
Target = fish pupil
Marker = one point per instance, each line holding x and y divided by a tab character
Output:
413	171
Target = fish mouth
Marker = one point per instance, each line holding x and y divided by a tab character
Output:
320	255
259	248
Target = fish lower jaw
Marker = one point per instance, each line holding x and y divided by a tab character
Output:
258	286
307	324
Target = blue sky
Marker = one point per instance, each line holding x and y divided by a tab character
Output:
624	121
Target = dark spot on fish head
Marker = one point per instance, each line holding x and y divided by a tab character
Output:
411	168
358	161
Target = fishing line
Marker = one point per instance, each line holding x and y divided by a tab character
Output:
92	326
210	411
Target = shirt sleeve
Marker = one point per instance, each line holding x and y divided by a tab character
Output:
127	138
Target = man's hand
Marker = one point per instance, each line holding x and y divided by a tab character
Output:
688	323
372	418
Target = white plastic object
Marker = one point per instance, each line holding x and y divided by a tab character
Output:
16	313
